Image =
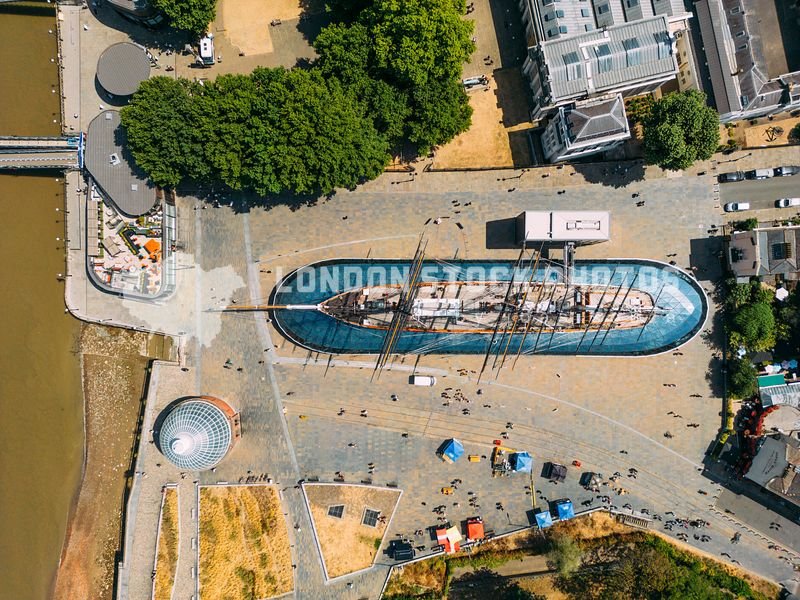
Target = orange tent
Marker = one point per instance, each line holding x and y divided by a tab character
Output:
475	529
153	248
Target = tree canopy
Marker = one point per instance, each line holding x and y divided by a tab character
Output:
742	378
679	130
193	16
387	76
272	131
404	59
753	326
565	555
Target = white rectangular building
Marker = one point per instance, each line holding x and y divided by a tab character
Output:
581	227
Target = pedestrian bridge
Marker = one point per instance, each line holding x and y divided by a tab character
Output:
62	152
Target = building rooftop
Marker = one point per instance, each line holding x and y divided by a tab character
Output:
592	120
196	434
765	252
566	18
112	167
122	67
563	226
606	59
775	466
745	52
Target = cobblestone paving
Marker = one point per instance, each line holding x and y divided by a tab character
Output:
562	409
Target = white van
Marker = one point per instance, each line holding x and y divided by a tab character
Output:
423	380
759	174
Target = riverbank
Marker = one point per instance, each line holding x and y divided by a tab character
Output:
40	393
113	369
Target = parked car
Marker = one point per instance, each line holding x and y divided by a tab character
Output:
759	174
786	202
730	177
786	171
736	206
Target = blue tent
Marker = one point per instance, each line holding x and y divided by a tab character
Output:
521	462
565	510
543	519
452	450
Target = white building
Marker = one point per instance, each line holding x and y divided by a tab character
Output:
562	226
585	128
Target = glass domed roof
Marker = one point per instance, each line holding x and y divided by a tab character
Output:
195	436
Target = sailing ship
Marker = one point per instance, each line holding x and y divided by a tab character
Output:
481	307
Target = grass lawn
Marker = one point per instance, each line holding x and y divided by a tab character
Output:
167	559
347	544
244	544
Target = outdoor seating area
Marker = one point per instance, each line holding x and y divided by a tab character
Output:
126	253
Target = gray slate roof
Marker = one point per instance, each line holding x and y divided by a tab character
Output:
564	18
598	61
124	183
122	67
596	120
740	71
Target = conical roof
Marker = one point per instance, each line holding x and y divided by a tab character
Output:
195	435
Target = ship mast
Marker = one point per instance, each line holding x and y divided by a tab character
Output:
404	308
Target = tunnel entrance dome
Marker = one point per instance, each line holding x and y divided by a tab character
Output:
197	433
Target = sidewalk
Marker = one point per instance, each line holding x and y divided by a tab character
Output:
69	53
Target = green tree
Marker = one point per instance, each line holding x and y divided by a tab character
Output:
309	135
345	52
741	378
680	129
404	60
440	111
162	138
418	41
753	326
193	16
564	555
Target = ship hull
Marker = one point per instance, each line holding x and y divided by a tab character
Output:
680	309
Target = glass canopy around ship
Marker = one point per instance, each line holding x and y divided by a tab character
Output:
681	302
195	435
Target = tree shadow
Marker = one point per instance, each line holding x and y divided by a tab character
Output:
218	195
310	24
612	174
164	38
509	30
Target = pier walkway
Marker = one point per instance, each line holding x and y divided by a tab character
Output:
41	152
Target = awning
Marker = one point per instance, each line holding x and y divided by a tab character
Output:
521	462
475	530
543	519
453	450
565	510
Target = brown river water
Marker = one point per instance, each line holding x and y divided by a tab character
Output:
41	409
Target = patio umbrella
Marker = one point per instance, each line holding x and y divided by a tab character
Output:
785	364
793	364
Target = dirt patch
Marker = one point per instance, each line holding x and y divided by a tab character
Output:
425	576
592	526
767	133
246	23
497	136
244	543
167	558
544	586
347	544
113	373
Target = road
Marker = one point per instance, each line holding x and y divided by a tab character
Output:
762	193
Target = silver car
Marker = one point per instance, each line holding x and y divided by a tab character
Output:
736	206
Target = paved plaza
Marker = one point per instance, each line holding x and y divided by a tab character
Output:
609	413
